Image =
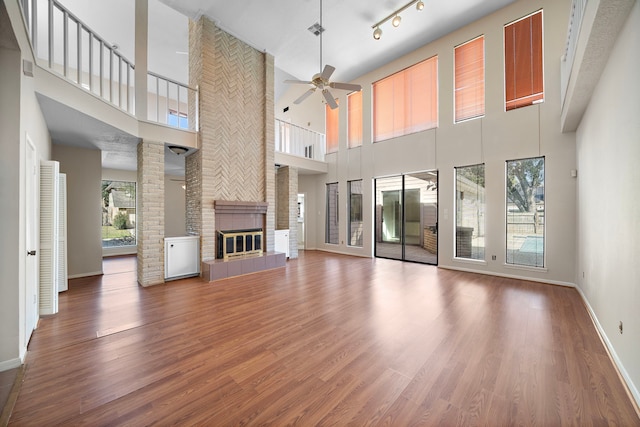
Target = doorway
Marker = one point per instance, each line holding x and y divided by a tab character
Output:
300	222
32	239
406	217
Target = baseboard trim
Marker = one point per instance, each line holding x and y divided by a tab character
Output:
510	276
630	387
7	410
78	276
10	364
341	253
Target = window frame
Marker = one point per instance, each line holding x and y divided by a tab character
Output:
356	212
457	90
537	97
536	267
484	221
408	126
329	214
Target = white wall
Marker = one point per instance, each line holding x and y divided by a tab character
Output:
608	146
19	116
494	139
84	239
175	222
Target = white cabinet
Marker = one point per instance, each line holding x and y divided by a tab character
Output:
281	241
181	256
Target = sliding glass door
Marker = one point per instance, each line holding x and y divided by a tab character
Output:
406	217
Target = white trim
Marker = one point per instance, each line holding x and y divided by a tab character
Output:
342	253
10	364
470	261
77	276
526	268
510	276
611	350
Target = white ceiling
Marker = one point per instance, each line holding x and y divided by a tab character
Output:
278	27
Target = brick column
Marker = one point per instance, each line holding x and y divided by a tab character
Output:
235	159
150	213
287	205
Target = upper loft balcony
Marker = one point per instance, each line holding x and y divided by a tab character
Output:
89	87
300	147
593	28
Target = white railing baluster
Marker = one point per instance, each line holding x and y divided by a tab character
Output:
299	141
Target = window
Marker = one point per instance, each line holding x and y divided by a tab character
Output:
469	80
470	209
331	127
354	121
525	212
523	74
118	213
178	120
407	101
331	229
354	189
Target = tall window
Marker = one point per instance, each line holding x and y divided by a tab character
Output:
118	213
525	212
354	121
469	79
332	226
331	125
470	208
523	71
354	189
407	101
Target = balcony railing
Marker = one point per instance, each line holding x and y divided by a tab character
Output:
575	22
298	141
67	46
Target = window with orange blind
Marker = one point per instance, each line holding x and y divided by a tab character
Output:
407	101
469	79
524	83
354	119
331	128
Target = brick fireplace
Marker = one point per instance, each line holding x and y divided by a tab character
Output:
236	223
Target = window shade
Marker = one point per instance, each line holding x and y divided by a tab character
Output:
331	123
469	79
523	62
354	121
407	101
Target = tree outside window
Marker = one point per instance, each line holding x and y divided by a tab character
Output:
118	213
525	212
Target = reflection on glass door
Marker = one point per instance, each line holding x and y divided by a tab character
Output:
407	217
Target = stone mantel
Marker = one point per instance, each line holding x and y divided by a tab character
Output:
238	207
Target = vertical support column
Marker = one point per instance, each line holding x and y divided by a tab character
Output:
269	150
141	43
150	213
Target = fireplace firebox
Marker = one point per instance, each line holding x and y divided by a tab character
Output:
233	244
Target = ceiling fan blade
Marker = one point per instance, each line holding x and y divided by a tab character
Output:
345	86
304	96
298	81
329	98
326	73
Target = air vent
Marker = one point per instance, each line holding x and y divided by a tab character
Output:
316	29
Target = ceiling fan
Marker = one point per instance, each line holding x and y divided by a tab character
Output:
320	81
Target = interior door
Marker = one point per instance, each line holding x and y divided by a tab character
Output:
32	239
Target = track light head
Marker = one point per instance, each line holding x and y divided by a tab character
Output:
377	33
420	5
396	20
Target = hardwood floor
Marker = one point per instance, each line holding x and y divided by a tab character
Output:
329	340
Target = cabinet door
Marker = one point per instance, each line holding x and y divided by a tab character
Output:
181	258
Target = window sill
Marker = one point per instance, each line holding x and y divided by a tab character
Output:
526	268
470	261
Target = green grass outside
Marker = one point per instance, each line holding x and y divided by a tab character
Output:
110	232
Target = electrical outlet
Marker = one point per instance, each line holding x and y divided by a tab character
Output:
493	257
620	326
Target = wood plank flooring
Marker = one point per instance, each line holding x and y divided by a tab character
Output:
328	340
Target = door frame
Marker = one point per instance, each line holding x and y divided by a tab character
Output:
32	238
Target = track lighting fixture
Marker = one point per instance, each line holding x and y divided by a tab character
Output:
395	17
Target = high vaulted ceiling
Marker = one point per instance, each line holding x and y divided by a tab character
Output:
279	27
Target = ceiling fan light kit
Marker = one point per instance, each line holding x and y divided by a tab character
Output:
395	17
321	80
